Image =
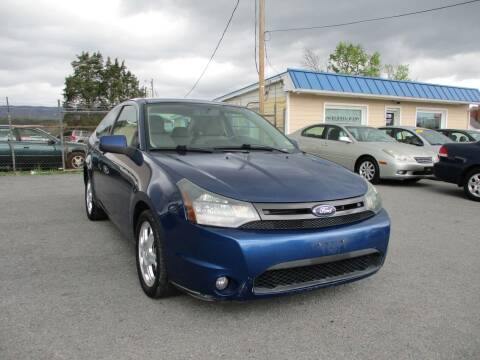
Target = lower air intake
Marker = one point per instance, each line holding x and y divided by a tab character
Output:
294	278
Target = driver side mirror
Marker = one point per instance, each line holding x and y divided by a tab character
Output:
51	142
345	139
116	144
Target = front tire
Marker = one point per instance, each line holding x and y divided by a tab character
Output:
472	185
151	264
367	168
94	212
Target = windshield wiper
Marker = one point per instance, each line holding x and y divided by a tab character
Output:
248	147
183	149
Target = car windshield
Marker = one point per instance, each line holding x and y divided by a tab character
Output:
433	137
211	127
475	135
368	134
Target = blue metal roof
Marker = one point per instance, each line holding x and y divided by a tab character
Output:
337	83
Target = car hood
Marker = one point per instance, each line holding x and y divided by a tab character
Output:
264	177
403	149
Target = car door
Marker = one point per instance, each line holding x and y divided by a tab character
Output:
6	138
312	141
120	183
35	148
338	151
96	158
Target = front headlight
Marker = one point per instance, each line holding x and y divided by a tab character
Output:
398	157
206	208
373	202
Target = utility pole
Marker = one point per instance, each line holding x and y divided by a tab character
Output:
261	56
12	146
151	86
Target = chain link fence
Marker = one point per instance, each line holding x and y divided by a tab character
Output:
41	137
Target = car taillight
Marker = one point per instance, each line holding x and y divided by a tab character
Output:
443	152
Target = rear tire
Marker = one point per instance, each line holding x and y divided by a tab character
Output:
472	185
94	212
367	168
151	264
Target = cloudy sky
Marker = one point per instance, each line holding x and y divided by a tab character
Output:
171	40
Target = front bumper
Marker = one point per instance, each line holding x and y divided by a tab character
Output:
405	170
198	255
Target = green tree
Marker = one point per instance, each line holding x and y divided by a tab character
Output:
95	83
397	72
352	59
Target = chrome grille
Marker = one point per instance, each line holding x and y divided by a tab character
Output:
284	216
424	160
316	223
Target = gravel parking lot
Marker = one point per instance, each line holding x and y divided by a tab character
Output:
69	289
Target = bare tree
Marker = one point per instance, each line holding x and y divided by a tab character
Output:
311	60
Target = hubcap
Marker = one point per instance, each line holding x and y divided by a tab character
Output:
77	161
147	253
89	197
367	170
474	185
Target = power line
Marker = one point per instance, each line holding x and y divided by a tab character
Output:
372	19
215	50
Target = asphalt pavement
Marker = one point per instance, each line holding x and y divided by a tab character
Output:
69	289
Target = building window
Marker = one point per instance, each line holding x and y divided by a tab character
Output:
431	118
341	114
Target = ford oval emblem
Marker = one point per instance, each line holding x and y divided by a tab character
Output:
324	210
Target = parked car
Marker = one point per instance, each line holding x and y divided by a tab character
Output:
36	148
427	138
227	207
459	135
367	151
76	136
460	164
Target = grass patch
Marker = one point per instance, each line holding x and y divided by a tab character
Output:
40	172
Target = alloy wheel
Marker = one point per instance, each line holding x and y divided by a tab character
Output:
147	253
89	197
77	161
474	185
367	170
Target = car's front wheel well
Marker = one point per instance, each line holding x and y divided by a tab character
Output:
362	158
140	207
466	172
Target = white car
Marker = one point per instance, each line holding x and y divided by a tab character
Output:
366	150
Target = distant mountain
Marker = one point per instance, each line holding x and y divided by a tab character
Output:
30	112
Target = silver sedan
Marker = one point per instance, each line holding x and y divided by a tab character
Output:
367	151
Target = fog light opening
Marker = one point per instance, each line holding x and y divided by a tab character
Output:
221	283
401	172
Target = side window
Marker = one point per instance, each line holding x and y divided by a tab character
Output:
334	133
458	137
126	125
106	124
314	131
407	137
5	134
389	132
32	135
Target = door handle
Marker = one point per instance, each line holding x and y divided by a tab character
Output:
26	147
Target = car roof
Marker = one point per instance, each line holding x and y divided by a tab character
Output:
404	127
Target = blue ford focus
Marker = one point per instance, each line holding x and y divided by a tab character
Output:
221	205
